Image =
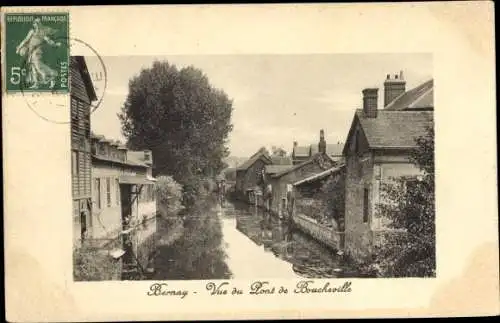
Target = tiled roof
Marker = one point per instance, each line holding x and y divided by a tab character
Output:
253	159
279	160
392	129
297	166
109	159
301	151
420	97
294	167
273	169
321	175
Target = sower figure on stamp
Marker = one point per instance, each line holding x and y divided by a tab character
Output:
31	48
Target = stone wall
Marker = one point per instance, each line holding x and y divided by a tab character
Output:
329	237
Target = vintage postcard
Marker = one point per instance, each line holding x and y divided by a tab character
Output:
249	161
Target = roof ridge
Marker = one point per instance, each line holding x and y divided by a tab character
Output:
421	97
413	90
320	174
395	99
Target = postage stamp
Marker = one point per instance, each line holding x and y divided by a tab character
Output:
37	52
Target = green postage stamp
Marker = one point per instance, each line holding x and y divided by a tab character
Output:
36	52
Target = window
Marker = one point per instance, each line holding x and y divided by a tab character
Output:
117	183
74	163
108	191
97	192
365	205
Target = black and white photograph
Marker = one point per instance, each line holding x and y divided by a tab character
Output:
250	166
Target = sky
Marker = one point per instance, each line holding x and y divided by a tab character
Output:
277	99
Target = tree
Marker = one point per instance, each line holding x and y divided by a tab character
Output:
180	117
409	207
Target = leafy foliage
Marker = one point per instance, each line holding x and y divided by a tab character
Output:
197	187
180	117
168	195
324	201
91	265
333	191
409	206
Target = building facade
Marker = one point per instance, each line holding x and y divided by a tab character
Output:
123	203
82	95
377	150
249	177
282	182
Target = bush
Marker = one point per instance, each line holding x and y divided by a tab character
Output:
91	265
408	207
169	195
195	188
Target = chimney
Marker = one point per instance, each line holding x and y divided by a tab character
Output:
322	142
370	100
393	87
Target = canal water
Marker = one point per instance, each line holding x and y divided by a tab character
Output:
240	241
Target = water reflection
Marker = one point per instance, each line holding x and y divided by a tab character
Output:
198	253
241	241
307	257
